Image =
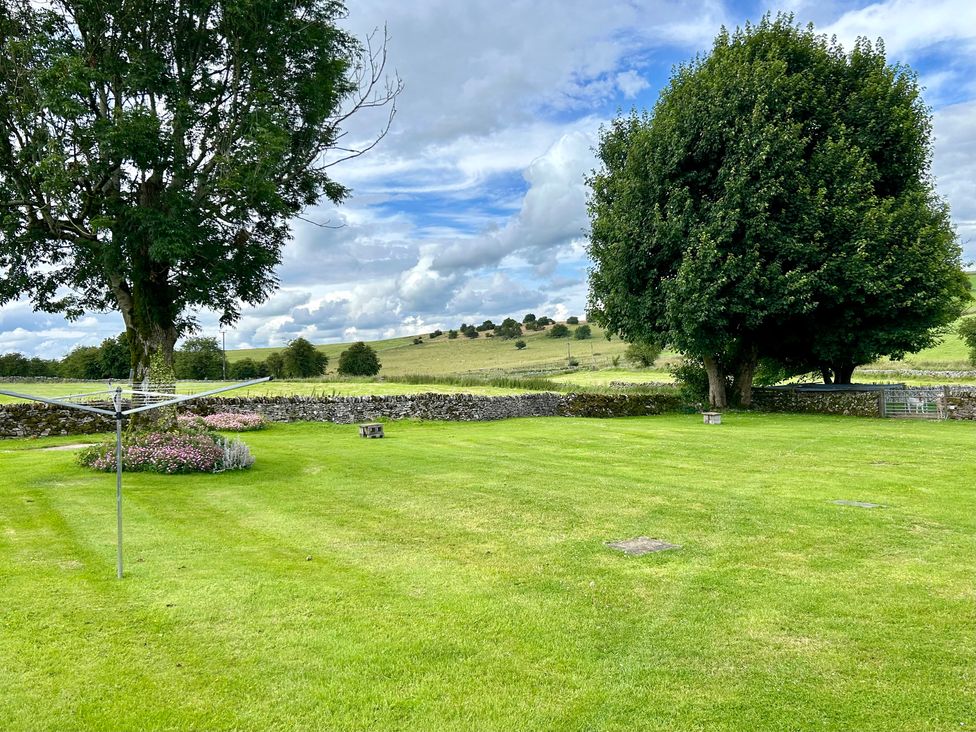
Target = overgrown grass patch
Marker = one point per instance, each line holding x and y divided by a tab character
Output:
454	576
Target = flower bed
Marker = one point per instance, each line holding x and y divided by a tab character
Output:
171	452
226	421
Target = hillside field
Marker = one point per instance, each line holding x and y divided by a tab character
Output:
442	356
456	576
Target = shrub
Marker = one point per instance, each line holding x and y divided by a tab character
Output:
359	360
418	341
582	333
615	361
572	320
642	355
544	321
452	334
558	331
487	325
470	332
573	362
236	455
436	334
520	344
529	318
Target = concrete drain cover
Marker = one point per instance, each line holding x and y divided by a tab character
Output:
858	504
641	545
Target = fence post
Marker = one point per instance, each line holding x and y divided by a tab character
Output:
881	403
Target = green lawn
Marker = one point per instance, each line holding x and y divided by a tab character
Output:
454	576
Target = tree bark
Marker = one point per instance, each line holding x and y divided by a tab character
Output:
152	335
745	375
826	374
716	384
843	372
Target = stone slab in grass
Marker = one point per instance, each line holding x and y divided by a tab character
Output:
74	446
641	545
857	504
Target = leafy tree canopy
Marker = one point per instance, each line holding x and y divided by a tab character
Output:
777	202
302	360
359	360
153	152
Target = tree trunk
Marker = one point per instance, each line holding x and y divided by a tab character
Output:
843	372
826	374
716	384
744	377
152	333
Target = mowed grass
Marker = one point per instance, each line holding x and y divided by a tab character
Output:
454	576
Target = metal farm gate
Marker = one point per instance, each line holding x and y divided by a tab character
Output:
915	403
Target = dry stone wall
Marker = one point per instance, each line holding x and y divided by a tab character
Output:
28	420
852	403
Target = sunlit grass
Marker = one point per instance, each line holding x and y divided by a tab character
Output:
454	576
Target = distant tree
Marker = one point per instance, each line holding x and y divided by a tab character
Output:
43	367
199	358
520	344
487	325
245	369
115	357
509	328
81	362
418	341
302	360
452	334
778	202
558	331
582	333
436	334
274	365
544	321
529	318
967	331
470	332
14	364
359	360
572	320
643	355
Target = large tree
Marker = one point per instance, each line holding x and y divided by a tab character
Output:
777	203
153	152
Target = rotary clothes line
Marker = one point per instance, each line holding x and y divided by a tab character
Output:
118	396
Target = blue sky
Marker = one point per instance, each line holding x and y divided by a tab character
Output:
473	206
